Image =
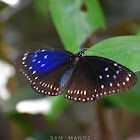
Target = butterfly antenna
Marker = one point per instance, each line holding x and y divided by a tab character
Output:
84	49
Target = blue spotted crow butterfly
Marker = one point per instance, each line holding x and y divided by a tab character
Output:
85	78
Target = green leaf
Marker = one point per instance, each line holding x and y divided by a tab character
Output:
73	24
138	33
41	6
59	103
129	100
2	7
124	50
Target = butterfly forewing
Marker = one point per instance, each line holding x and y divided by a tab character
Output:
44	69
97	77
116	75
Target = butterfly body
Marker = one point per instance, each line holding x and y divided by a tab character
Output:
85	78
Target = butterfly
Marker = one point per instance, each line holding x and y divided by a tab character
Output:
84	78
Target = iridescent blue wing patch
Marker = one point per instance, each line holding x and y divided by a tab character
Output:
47	70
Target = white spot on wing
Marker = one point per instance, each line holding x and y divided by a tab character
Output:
24	58
127	78
43	50
106	69
118	84
107	75
34	72
83	100
42	65
36	78
114	76
30	68
45	56
33	60
100	76
26	54
91	98
102	86
85	92
77	91
117	71
51	86
35	55
129	75
110	84
123	83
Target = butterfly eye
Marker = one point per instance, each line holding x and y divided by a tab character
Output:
85	78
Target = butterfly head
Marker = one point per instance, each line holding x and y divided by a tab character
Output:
80	54
75	58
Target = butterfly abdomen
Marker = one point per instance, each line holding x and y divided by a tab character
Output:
65	77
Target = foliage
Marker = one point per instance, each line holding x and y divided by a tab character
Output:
138	33
41	7
73	24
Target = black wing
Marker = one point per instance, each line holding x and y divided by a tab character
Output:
95	77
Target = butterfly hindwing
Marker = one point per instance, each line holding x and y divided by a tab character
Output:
80	89
55	82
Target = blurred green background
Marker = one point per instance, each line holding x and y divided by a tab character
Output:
108	26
